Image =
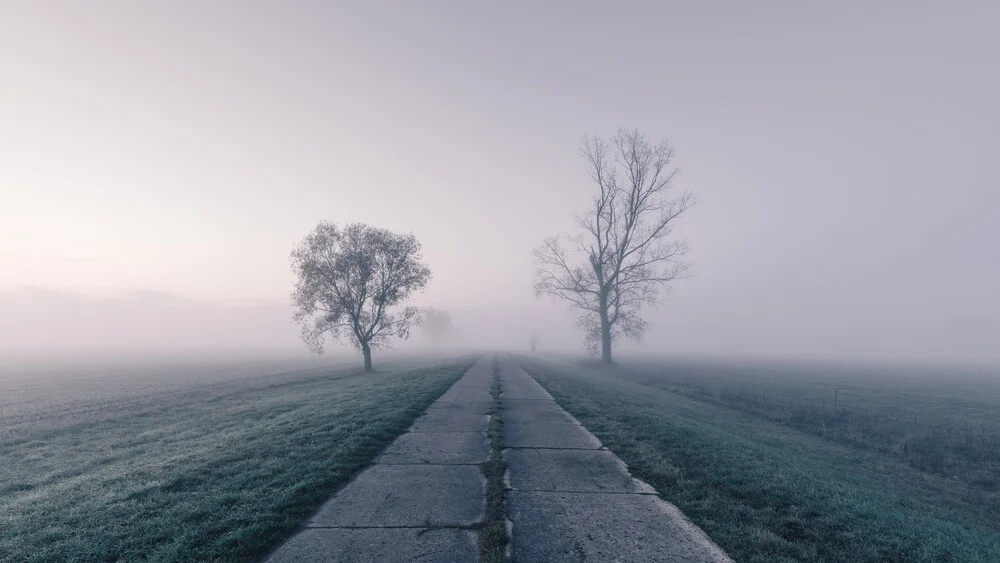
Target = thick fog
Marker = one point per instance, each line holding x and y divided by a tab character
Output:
159	160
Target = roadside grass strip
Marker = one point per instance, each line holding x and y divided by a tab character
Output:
219	475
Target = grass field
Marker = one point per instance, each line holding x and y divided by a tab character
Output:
762	458
170	465
944	420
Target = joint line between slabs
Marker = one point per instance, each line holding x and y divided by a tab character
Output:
544	424
445	432
601	449
636	493
477	464
413	527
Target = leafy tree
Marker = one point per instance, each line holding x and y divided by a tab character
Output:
349	282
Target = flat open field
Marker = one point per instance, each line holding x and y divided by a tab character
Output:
189	460
783	462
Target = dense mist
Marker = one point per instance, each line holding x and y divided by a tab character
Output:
157	167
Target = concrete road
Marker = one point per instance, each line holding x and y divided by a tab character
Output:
568	498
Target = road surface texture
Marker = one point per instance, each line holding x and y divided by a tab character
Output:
568	498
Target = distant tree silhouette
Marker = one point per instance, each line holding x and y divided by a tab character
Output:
437	324
349	282
624	254
533	341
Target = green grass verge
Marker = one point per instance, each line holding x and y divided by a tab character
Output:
221	474
939	419
493	536
767	492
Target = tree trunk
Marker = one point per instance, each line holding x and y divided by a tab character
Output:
367	351
605	330
605	341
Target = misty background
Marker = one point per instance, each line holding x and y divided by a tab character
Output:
158	161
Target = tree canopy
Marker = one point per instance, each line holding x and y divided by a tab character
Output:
350	282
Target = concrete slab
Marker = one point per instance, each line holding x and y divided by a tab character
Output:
548	436
467	408
377	545
483	390
556	527
407	495
571	471
437	448
509	404
534	412
451	421
525	391
485	380
467	395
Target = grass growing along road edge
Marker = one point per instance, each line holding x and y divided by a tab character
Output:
494	535
221	476
766	492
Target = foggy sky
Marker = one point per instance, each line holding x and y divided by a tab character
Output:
159	160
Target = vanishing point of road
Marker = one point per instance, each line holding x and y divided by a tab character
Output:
567	497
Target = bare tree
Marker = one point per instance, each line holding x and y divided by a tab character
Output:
533	342
624	253
348	282
437	324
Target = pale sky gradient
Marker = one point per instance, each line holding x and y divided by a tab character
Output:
843	155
